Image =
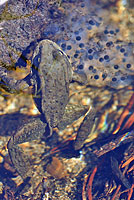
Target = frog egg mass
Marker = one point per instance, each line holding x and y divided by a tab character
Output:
94	46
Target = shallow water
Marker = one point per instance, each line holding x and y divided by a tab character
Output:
97	36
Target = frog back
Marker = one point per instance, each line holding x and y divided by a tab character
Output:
51	74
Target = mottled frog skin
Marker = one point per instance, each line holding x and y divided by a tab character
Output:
49	78
51	75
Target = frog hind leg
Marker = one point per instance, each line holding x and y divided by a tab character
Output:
32	130
85	129
72	113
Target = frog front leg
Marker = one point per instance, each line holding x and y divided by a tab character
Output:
32	130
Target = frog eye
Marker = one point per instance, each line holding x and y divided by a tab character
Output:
54	54
57	54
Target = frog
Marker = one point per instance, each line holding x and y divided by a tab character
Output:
49	79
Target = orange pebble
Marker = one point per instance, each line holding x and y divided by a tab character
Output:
56	168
